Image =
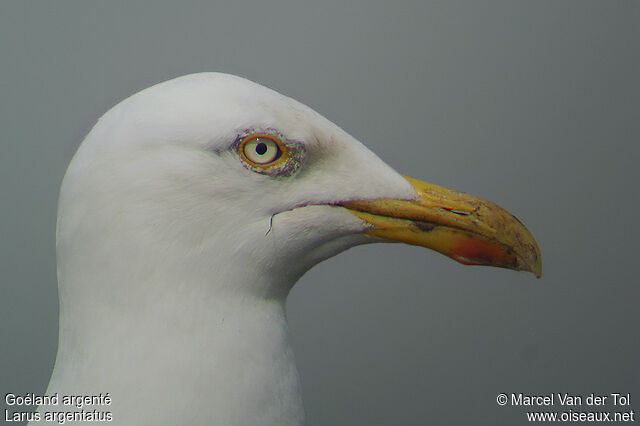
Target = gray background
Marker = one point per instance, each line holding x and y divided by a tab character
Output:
534	105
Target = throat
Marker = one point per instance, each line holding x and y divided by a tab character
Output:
183	360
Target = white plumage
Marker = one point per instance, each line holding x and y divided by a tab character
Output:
176	251
174	260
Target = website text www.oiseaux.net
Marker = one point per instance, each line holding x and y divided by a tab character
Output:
590	408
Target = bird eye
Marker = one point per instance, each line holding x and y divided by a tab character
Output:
261	150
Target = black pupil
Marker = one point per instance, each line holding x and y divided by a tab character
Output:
261	148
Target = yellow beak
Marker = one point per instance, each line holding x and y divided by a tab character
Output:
468	229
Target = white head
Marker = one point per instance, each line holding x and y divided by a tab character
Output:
162	171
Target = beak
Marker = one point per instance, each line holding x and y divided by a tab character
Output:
468	229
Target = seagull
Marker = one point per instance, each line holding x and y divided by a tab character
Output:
185	218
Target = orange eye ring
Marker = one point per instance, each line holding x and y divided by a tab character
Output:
262	150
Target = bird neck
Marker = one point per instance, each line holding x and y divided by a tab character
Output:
170	350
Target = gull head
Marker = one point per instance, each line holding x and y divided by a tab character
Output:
213	172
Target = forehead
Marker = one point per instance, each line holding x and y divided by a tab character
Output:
213	108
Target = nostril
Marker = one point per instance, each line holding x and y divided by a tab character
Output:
458	212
